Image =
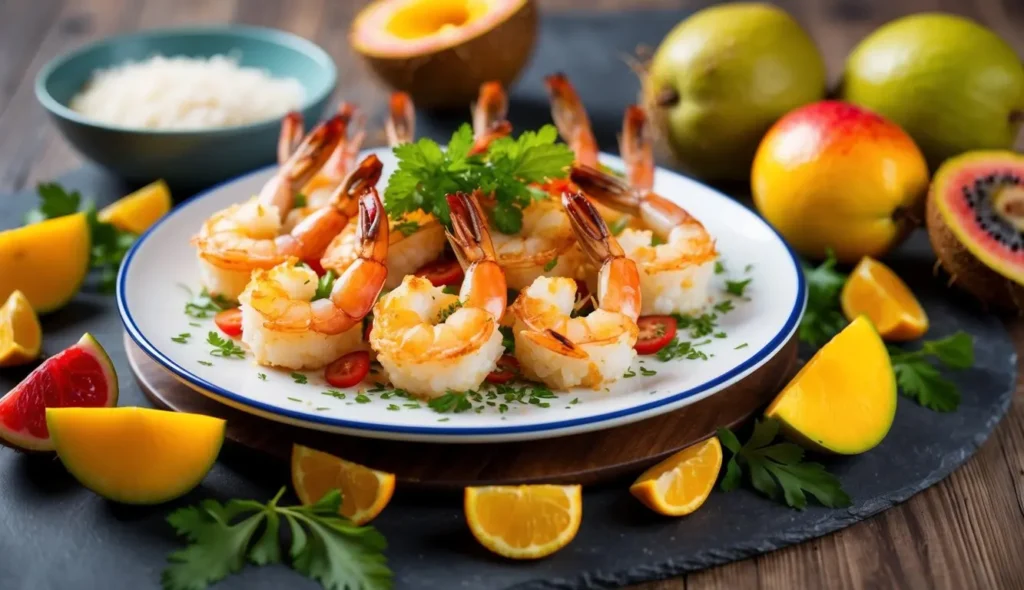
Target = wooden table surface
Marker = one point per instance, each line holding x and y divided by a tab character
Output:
965	532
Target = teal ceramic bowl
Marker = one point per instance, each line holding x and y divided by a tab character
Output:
184	158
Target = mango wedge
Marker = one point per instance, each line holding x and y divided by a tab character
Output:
844	399
46	261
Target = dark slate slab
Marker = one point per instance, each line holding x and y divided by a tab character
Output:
56	535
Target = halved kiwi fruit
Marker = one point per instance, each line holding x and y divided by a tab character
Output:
976	225
441	51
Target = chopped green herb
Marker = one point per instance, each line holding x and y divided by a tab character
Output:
822	318
195	325
333	393
724	306
508	340
407	228
261	376
451	401
412	405
551	264
748	268
616	227
647	372
656	240
737	288
444	313
205	363
450	290
182	338
300	201
224	347
393	408
442	419
362	399
574	401
295	399
324	285
744	345
719	267
778	470
720	334
300	378
629	373
322	408
699	326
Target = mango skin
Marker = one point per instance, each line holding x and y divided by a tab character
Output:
834	176
736	69
952	84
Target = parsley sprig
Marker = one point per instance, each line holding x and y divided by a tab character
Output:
224	347
919	380
108	243
426	173
777	469
822	320
324	546
204	305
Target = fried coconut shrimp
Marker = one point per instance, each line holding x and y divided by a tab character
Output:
428	341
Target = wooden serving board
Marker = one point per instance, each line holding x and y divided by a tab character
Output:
586	458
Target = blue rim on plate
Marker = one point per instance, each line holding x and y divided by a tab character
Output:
760	357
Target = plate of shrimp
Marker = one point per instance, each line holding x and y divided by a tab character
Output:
627	291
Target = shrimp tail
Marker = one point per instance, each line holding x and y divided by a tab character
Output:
355	292
291	136
307	159
618	287
363	178
636	144
571	118
608	190
489	117
484	285
401	124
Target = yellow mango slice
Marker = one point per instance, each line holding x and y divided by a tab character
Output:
20	333
135	455
138	211
844	399
46	261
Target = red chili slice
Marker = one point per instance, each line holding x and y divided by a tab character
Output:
507	370
655	332
349	369
229	321
441	272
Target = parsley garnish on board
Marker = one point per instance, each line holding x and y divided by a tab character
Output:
108	244
224	347
324	546
919	380
426	173
778	470
822	320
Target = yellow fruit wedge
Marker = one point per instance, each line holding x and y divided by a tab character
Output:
681	483
844	399
524	522
364	491
20	334
135	455
138	211
874	290
46	261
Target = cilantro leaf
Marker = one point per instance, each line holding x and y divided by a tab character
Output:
777	469
921	381
324	546
54	201
224	347
956	351
822	319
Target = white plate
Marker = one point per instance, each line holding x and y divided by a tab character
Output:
151	301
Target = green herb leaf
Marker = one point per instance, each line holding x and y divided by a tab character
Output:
737	288
325	546
822	319
551	264
261	376
224	347
777	469
300	200
956	351
406	228
921	381
54	201
719	267
182	338
205	305
447	311
508	339
621	223
300	378
451	401
324	285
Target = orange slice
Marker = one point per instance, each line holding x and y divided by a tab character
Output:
524	522
679	485
875	291
364	491
138	211
20	334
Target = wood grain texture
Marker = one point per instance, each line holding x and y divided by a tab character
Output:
586	458
965	532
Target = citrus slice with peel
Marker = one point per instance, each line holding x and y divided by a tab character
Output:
138	211
46	261
135	455
681	483
20	334
524	522
875	291
364	491
78	376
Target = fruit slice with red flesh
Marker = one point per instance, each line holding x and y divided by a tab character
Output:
441	51
978	199
79	376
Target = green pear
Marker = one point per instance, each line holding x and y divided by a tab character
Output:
952	84
722	77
